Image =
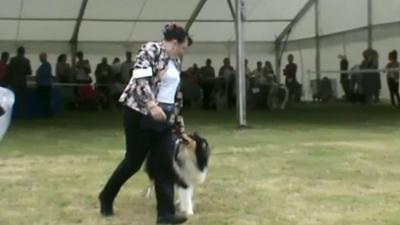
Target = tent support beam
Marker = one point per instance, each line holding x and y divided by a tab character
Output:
145	20
284	33
370	37
317	43
74	39
231	9
194	14
240	73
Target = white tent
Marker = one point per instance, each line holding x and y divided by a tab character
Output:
111	27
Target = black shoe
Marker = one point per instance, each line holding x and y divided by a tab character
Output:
106	208
171	219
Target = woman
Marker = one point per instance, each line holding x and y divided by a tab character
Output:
393	78
151	112
63	69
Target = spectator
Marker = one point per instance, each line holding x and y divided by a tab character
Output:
126	68
268	70
371	81
116	68
228	74
3	67
290	72
207	76
18	71
104	80
258	74
344	77
393	78
248	72
82	70
44	80
63	69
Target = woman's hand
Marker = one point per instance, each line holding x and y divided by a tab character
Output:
156	112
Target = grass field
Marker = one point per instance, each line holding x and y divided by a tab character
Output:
313	165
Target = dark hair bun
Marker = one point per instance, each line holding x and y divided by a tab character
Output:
174	31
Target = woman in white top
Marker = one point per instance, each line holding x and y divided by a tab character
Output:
151	113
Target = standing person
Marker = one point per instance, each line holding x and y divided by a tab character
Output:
104	81
228	73
207	82
258	74
82	69
116	68
17	78
3	67
371	80
63	69
126	68
393	78
344	77
44	79
290	72
268	70
151	110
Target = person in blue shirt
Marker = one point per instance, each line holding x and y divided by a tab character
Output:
44	79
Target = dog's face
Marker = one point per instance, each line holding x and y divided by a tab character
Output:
200	148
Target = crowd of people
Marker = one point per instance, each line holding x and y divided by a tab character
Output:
219	89
365	86
215	89
74	80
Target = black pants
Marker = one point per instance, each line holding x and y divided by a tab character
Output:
346	88
207	91
21	96
45	99
394	91
139	143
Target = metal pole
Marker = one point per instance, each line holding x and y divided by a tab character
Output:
195	14
240	77
317	42
370	44
278	60
74	39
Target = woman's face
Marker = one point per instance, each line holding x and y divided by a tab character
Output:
179	49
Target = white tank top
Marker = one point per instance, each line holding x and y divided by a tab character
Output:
169	84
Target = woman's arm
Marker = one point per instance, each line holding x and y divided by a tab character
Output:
143	80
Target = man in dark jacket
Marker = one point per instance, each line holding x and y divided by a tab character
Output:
18	71
44	80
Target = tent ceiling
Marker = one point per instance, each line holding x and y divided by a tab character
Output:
141	20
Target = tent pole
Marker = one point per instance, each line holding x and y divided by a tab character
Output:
74	39
284	33
370	38
194	15
317	42
240	77
278	61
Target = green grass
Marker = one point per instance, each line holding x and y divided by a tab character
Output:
322	165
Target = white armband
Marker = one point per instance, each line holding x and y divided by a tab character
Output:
142	73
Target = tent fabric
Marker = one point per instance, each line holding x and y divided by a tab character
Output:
141	20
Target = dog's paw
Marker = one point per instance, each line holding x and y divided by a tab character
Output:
189	213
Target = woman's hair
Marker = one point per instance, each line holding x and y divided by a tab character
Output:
393	55
61	57
174	31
